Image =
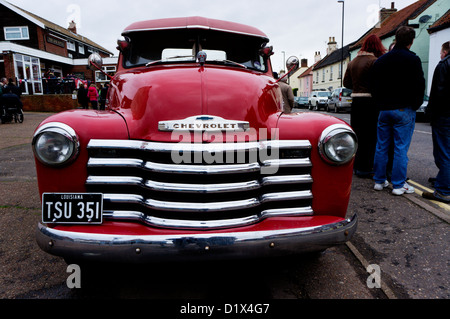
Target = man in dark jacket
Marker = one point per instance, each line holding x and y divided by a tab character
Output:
14	88
397	86
439	111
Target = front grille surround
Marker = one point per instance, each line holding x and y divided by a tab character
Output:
142	182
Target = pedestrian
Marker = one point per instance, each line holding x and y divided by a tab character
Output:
82	97
3	82
364	113
92	95
103	94
14	88
287	95
397	86
439	111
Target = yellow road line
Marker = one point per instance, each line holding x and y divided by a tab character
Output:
441	204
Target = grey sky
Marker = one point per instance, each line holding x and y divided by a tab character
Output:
297	27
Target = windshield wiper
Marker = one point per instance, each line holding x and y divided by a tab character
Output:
169	58
229	62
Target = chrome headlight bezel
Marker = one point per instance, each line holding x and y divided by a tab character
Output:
337	133
64	139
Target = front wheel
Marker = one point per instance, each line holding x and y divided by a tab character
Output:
20	117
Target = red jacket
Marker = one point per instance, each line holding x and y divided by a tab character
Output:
92	94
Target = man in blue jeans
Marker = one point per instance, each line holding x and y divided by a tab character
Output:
397	86
439	111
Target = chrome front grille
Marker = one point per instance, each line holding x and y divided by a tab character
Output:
243	184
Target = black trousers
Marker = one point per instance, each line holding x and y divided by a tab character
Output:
364	121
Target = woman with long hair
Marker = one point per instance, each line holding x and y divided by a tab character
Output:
364	113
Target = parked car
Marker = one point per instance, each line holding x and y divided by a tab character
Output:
216	171
318	100
300	102
340	100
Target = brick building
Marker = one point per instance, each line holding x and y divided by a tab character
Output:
33	50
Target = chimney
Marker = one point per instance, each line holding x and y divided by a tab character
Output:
72	27
332	45
385	13
304	63
317	56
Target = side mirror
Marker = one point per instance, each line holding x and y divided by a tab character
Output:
292	64
95	62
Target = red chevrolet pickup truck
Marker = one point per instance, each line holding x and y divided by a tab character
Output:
193	156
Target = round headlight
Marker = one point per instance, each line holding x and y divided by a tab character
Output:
55	144
338	144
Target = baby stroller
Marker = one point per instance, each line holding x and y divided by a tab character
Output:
10	113
11	108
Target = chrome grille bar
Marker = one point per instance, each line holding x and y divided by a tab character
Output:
197	188
205	224
204	207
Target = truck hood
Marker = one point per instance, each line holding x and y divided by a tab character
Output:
182	94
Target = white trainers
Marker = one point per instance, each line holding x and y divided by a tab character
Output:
379	187
408	189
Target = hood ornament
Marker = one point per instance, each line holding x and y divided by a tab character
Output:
203	123
201	57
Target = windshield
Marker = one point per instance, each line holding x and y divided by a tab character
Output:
175	46
323	94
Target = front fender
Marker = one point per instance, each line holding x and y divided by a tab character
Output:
331	184
88	124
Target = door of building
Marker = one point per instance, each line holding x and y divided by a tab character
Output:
28	74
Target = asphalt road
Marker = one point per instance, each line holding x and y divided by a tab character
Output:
406	237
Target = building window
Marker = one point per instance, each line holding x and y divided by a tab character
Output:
323	75
331	73
101	77
81	48
16	33
71	45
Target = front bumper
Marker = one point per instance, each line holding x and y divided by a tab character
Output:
211	245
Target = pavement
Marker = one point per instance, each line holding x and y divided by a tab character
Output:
406	236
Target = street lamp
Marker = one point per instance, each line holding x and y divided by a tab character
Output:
342	43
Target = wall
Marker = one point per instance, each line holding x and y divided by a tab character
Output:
48	102
421	45
436	41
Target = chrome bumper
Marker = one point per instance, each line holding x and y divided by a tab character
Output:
128	248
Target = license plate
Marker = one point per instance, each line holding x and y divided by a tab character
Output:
72	208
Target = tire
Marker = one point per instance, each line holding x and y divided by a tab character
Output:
20	116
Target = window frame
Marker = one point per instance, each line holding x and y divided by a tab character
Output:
74	48
6	32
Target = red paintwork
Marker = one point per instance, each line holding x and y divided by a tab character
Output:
141	97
